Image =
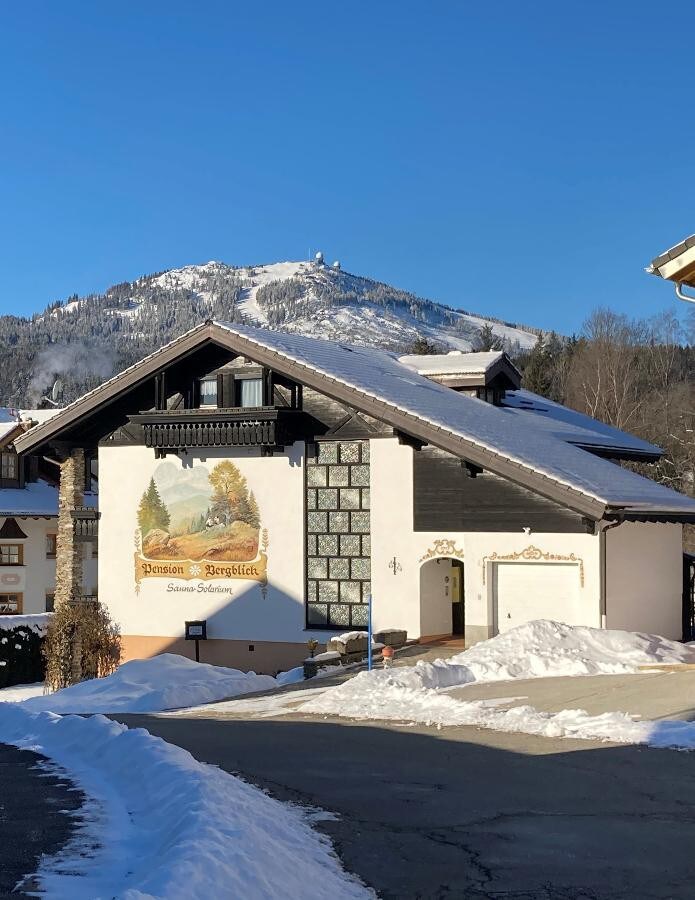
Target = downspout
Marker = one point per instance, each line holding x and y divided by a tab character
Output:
603	563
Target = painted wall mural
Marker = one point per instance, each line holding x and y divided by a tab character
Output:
200	522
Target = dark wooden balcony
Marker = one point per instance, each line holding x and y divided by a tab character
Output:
267	427
85	524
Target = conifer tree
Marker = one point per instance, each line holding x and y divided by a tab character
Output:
152	513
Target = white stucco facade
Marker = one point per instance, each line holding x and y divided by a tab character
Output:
236	609
398	596
517	575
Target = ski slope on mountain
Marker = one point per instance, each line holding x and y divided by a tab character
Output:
312	299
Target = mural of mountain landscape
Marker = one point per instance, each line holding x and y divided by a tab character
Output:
199	513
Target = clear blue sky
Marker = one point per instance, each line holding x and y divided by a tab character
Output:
521	159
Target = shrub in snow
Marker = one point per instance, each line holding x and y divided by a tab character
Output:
84	629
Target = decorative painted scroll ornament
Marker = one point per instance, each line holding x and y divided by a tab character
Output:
534	554
443	547
203	569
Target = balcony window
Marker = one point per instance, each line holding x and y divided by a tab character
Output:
208	392
250	392
11	554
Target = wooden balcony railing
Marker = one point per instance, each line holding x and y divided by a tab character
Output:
171	430
85	524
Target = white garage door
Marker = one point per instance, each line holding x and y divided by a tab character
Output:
527	591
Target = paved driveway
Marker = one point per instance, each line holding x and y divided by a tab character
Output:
464	813
35	816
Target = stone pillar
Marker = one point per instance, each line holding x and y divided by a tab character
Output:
69	553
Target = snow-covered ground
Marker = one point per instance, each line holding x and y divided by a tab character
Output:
19	692
161	824
150	685
537	649
165	825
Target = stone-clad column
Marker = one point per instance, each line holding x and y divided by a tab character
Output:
69	553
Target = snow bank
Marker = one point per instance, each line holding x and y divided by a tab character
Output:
170	826
544	649
151	685
533	650
37	622
379	699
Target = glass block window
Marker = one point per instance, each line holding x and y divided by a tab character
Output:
327	498
350	498
350	545
337	539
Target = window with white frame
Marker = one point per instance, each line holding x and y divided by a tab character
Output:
208	391
250	392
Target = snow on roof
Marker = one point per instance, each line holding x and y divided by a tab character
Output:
572	426
35	499
455	363
6	428
38	415
10	418
379	375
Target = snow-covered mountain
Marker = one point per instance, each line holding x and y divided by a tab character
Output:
314	299
85	339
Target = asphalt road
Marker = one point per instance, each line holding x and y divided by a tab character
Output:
35	818
463	813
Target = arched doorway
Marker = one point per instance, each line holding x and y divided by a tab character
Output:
442	598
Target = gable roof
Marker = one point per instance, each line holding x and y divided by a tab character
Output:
464	369
375	382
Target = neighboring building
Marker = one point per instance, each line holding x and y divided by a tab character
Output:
677	265
28	522
268	483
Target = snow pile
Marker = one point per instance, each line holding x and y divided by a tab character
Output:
169	826
544	649
150	685
533	650
38	622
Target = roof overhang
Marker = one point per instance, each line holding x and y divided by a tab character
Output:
399	419
10	436
677	264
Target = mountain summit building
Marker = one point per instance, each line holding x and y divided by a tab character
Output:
269	483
